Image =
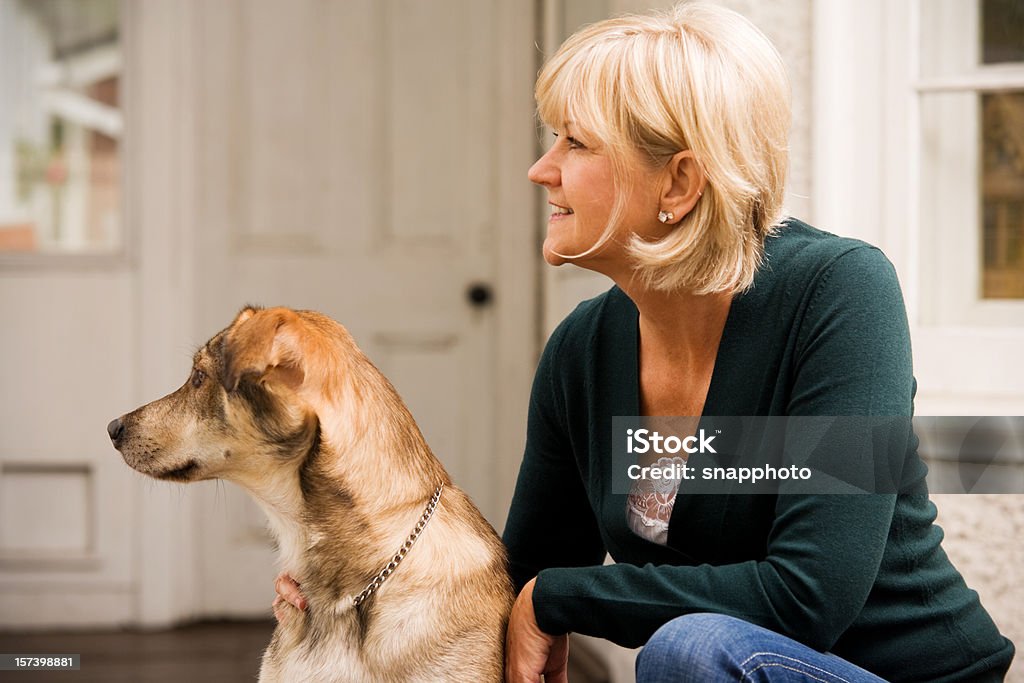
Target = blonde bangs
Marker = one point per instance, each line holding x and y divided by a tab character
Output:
574	87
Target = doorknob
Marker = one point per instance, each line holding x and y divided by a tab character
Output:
479	295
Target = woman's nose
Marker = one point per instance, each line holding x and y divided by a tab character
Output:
544	171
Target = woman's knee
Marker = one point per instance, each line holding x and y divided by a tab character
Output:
693	647
713	647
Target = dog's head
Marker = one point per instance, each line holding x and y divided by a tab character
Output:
243	409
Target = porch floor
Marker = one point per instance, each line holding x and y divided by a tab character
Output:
221	651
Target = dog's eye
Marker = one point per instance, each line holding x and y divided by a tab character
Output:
196	380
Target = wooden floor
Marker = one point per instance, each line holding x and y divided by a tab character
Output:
208	651
225	652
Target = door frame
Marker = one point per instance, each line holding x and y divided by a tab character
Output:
159	101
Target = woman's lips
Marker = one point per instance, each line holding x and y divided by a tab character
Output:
560	212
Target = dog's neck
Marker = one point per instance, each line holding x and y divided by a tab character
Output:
369	465
281	498
310	495
378	452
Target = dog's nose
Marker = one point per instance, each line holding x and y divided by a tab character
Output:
116	430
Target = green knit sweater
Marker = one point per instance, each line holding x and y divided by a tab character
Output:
823	331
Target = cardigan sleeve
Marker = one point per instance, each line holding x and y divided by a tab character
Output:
551	522
823	551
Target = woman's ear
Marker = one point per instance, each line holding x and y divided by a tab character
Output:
683	186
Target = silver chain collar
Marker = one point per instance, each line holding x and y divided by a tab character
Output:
389	569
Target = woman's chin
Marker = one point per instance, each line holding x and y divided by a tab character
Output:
554	259
550	257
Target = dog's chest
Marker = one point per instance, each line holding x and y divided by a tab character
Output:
298	653
315	664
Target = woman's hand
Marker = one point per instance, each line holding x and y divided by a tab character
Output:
529	652
287	592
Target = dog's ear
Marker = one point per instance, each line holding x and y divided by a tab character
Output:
264	343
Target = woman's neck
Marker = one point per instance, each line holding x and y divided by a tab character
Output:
681	327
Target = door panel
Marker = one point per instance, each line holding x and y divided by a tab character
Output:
66	361
349	156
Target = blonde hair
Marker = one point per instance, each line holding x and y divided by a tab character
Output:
696	77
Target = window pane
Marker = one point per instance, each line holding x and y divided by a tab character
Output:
1002	26
1002	195
972	222
60	125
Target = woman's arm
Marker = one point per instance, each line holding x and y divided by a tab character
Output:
821	562
529	651
551	522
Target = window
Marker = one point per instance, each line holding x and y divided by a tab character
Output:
971	118
60	126
917	150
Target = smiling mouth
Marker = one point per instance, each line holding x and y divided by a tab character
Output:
182	473
560	211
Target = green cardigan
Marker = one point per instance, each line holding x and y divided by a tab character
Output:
823	331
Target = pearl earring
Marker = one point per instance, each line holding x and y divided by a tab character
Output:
665	216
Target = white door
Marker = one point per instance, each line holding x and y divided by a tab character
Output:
353	159
363	158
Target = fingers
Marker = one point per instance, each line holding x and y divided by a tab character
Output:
288	589
529	652
278	607
561	677
557	670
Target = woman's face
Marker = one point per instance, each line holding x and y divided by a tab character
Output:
581	191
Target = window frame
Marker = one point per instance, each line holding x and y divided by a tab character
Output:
124	255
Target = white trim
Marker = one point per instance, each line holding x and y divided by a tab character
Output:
159	156
80	70
101	260
85	111
989	79
846	78
910	104
516	279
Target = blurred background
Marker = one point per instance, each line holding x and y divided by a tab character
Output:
164	162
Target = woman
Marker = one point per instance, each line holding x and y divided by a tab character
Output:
667	175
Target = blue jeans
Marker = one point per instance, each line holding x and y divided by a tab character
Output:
708	648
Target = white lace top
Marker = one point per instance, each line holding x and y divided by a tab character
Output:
650	502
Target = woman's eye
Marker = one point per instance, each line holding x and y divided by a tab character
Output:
197	378
571	142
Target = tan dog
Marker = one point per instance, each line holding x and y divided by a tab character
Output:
284	404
